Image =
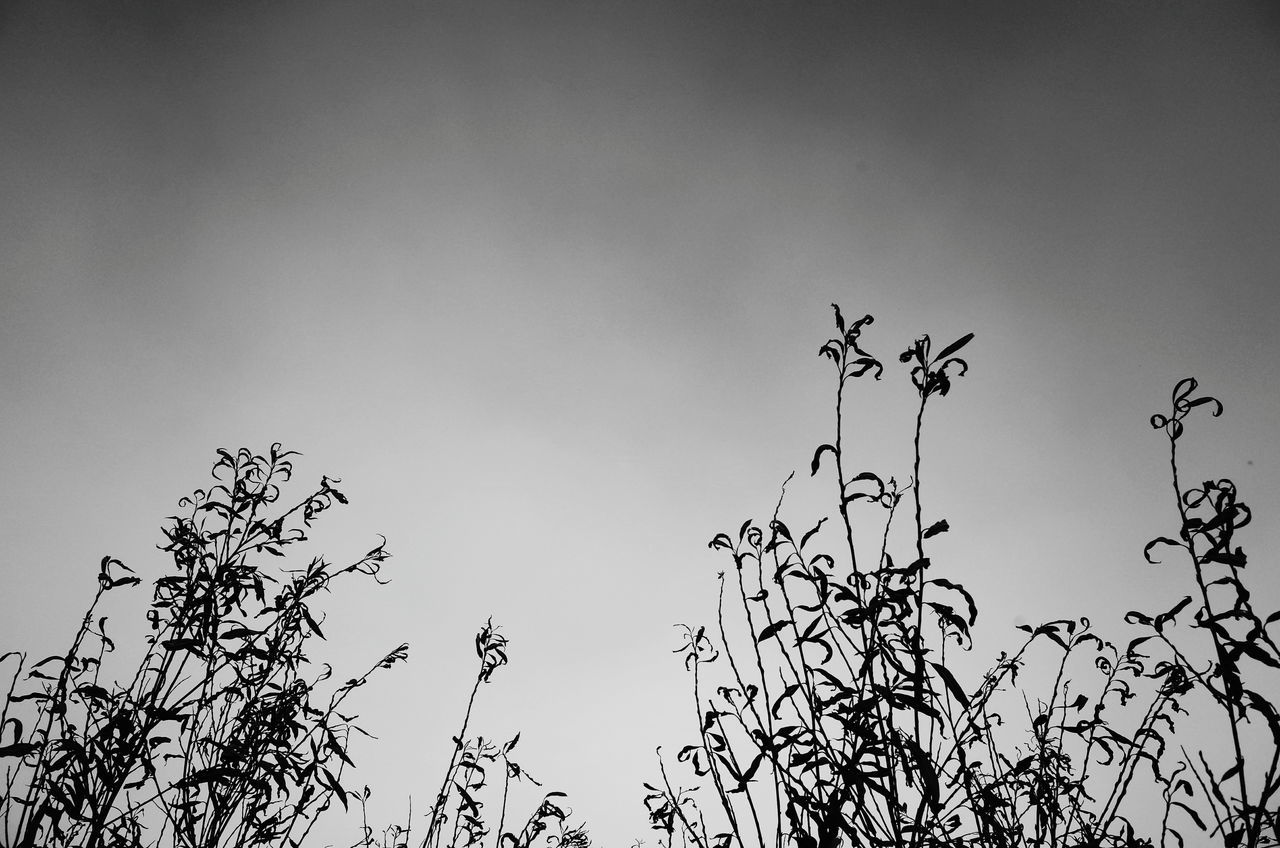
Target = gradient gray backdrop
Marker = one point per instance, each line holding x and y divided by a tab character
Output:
544	284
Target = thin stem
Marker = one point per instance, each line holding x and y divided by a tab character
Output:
433	829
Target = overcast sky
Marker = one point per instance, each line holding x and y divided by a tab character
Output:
544	284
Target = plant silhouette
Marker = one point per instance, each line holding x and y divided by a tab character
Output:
466	778
839	720
226	734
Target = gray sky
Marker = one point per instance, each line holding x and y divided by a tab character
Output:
544	284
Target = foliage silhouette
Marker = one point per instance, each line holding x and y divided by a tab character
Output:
223	736
838	719
465	779
227	734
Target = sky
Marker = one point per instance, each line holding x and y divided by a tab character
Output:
544	284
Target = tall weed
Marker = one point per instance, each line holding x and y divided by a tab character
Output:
840	719
227	733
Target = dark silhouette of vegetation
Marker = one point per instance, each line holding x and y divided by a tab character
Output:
226	734
466	777
839	719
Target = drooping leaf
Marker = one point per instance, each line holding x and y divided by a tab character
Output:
956	587
1162	540
817	458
